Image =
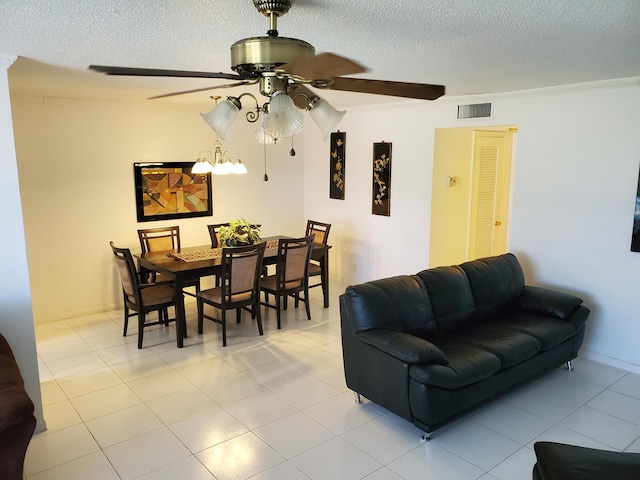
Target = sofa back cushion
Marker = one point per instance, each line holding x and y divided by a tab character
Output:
496	282
398	303
450	295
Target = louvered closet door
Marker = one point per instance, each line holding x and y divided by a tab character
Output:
487	232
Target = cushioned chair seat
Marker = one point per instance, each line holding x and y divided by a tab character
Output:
467	365
549	331
510	346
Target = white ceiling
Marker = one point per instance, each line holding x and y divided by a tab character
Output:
471	46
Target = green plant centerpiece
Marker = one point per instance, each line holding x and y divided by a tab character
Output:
238	233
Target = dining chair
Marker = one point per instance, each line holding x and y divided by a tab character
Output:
141	298
239	287
158	239
292	275
317	266
214	231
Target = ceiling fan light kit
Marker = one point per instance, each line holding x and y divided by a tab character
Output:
283	67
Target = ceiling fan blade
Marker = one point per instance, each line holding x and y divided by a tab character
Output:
300	95
195	90
422	91
153	72
323	66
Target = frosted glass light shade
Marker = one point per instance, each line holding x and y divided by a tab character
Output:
325	116
284	119
221	117
202	166
239	168
220	169
261	135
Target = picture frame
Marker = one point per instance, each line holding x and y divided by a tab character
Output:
168	190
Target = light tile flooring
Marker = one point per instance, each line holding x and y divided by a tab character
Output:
276	407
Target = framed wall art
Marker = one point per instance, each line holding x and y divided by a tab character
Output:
336	158
169	190
380	203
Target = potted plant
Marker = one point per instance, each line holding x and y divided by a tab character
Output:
239	232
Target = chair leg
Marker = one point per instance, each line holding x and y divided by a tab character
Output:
200	314
140	328
255	311
224	328
238	313
126	319
306	303
278	298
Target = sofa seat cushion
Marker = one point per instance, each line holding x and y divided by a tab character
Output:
550	331
467	365
510	346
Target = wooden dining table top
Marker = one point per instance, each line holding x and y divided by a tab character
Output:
165	262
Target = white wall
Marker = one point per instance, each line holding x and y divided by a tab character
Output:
75	162
575	179
16	317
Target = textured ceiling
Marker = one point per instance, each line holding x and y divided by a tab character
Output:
471	46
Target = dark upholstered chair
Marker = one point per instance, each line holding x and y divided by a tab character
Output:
239	287
214	231
292	274
317	266
141	298
157	240
557	461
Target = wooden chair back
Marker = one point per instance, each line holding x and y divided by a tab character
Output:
292	269
319	229
214	231
158	239
241	272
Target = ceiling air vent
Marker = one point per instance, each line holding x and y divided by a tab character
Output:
476	110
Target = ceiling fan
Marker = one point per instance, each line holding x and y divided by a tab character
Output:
283	67
286	64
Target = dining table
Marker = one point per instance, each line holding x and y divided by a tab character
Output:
187	264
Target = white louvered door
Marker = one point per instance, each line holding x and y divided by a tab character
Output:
487	232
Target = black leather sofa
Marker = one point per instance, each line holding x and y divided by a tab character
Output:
429	347
557	461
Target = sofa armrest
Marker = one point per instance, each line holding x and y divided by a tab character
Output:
403	346
548	302
557	461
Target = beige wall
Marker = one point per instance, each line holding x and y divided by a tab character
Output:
452	157
16	314
75	161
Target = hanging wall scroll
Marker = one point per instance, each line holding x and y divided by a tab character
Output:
336	182
381	197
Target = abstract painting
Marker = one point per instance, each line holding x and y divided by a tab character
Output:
169	190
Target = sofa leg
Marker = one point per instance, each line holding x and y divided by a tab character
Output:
569	365
426	436
357	399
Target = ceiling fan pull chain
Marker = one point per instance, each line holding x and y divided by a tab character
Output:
292	152
266	177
